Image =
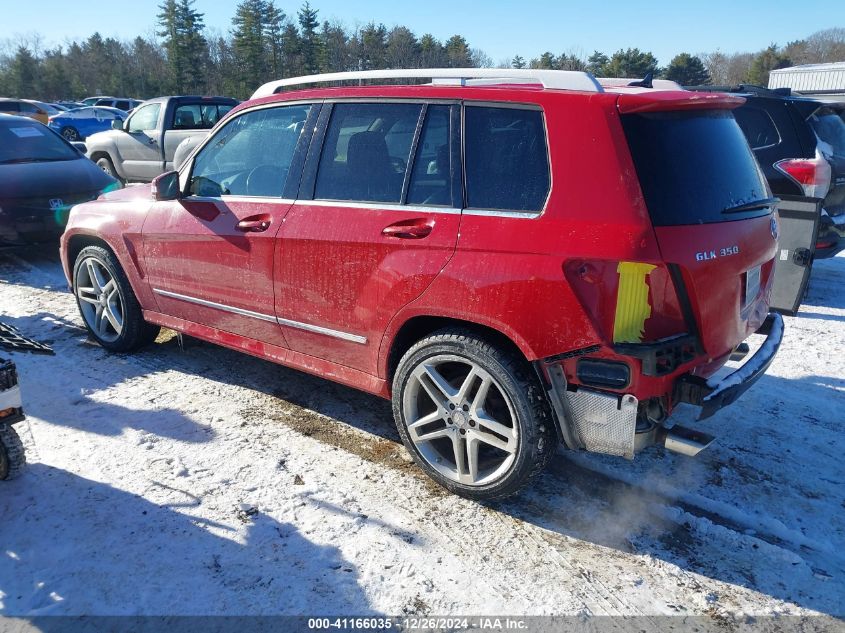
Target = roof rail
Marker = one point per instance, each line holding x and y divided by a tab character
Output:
748	88
622	82
552	79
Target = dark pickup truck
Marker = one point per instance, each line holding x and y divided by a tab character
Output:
144	146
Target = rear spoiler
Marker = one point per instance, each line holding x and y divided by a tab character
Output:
676	100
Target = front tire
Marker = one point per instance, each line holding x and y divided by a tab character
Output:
108	305
12	457
105	163
472	414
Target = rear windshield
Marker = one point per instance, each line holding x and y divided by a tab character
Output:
694	167
829	125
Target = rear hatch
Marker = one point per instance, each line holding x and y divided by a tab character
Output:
711	209
828	123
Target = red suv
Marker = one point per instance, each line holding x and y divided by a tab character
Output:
516	258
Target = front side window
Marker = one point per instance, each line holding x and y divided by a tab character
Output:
506	159
251	155
366	152
145	118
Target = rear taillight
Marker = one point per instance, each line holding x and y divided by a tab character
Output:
812	174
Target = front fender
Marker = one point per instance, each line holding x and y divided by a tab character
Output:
117	223
105	143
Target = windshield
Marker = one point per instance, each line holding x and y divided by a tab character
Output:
829	126
695	167
22	141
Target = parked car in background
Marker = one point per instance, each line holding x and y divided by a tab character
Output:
89	101
41	177
442	245
145	145
76	125
127	105
71	105
800	145
30	109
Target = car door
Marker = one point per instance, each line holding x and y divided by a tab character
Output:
372	226
209	255
798	227
139	147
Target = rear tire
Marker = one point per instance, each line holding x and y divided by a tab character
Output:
12	457
108	305
70	134
472	414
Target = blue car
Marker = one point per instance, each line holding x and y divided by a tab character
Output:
76	125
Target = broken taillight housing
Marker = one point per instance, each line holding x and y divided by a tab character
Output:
628	302
811	174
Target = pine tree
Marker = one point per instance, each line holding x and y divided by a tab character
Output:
518	62
181	27
687	70
248	43
309	40
458	53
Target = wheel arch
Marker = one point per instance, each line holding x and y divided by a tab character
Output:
418	327
79	241
97	154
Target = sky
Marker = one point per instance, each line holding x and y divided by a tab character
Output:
501	29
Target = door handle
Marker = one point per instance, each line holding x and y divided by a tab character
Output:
254	224
409	229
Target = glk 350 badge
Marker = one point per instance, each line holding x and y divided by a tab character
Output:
704	256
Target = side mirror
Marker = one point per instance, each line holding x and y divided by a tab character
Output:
117	124
82	147
166	186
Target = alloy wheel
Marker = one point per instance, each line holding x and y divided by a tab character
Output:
460	420
99	299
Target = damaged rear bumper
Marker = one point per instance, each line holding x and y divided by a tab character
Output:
711	395
618	424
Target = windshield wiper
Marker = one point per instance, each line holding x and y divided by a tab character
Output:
762	203
10	161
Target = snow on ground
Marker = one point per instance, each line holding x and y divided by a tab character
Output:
195	480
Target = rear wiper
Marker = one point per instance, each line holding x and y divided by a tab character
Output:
762	203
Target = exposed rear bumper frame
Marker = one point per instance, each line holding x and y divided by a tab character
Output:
712	396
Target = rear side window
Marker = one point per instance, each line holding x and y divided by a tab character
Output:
196	116
366	152
506	159
9	106
829	126
757	126
694	167
431	176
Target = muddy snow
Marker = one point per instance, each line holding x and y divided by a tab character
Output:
189	479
